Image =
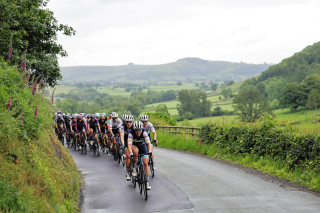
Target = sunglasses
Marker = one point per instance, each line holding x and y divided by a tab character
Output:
144	121
128	121
137	129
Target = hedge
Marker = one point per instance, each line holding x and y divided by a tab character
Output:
266	138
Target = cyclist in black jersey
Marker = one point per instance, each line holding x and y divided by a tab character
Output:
94	127
126	129
138	141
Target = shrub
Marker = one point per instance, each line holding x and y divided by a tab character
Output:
265	139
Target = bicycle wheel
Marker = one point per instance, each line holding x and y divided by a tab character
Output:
134	181
144	186
151	166
84	146
141	182
123	159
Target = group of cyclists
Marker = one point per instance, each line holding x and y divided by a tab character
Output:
111	133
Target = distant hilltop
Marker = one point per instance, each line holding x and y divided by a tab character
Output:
185	70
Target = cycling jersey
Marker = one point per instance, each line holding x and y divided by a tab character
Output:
115	126
93	124
60	121
81	125
149	128
139	141
125	131
74	126
68	122
103	124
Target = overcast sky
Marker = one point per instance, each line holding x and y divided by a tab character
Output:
117	32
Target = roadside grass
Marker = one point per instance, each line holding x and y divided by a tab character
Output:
306	177
37	174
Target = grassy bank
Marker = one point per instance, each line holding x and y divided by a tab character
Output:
307	177
37	174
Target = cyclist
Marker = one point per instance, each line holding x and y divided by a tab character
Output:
148	127
115	125
81	127
104	125
60	123
139	142
68	123
94	127
125	130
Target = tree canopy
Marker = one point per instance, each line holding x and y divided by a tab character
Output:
250	103
32	30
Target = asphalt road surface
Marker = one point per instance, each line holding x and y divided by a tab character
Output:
186	182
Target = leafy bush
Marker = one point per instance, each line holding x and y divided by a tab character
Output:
265	139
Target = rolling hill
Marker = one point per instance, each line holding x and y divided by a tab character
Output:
185	70
293	69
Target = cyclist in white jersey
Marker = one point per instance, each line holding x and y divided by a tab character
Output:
148	127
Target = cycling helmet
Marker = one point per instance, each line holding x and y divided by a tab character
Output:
123	117
129	118
74	116
64	114
103	114
114	115
79	117
55	114
102	117
144	118
137	125
97	115
59	112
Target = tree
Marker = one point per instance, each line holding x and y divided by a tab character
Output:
312	82
33	30
214	86
163	109
313	99
293	96
193	103
226	92
179	83
250	104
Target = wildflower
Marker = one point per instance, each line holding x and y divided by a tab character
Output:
34	88
9	103
10	49
36	112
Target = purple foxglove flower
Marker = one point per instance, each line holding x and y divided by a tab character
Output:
9	103
34	89
36	112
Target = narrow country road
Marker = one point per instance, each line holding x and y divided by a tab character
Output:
186	183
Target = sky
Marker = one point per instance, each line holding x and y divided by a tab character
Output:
118	32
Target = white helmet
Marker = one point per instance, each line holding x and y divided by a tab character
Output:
124	117
129	118
144	118
114	115
137	125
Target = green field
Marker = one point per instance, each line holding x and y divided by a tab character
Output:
173	87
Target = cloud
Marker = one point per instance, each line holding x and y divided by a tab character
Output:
159	31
